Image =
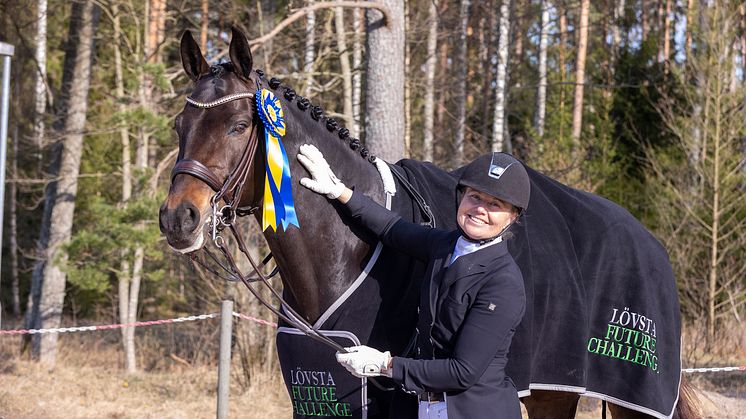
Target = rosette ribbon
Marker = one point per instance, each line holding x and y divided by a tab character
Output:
278	208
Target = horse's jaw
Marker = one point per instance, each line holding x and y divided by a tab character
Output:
198	243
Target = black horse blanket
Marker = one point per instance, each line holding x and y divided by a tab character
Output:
602	315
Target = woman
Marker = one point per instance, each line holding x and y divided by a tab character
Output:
471	301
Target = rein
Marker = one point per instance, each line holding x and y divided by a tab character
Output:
225	216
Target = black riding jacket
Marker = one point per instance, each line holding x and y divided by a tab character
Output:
468	314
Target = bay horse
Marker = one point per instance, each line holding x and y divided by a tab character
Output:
319	261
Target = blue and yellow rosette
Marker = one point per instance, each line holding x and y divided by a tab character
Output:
278	208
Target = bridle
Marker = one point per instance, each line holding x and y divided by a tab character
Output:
224	216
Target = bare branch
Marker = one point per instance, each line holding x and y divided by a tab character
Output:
299	13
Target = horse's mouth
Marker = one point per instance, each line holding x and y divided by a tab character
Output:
196	245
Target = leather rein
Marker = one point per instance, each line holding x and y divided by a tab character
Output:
225	210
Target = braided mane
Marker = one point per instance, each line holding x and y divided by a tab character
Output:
316	113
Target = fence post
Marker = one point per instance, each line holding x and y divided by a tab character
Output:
224	362
6	51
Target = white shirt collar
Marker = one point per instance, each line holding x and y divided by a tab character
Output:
464	247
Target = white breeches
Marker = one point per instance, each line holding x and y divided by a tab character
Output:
430	410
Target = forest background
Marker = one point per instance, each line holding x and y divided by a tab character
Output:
640	101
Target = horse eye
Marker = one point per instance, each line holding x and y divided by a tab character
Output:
239	128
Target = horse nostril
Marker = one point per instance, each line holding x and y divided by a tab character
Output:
188	217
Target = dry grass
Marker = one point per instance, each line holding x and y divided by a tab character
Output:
728	348
91	384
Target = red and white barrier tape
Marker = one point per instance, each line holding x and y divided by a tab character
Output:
135	324
108	326
716	369
254	319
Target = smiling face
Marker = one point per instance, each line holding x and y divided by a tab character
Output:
482	216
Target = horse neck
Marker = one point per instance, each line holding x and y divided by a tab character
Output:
320	260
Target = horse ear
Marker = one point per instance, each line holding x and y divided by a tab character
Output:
240	54
191	57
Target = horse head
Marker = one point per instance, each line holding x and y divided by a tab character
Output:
217	129
222	164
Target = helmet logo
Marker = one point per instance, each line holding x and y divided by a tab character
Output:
496	171
497	165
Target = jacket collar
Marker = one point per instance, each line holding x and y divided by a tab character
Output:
472	263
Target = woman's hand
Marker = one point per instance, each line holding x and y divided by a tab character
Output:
364	361
323	179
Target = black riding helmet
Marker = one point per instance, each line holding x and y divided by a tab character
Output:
500	175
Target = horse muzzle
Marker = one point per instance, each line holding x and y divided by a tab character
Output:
182	227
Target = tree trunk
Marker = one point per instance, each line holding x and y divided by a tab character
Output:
562	12
460	87
357	67
59	205
616	35
645	18
12	207
665	48
541	93
407	87
134	294
205	21
563	44
266	48
742	38
489	47
40	89
503	46
309	55
577	105
430	63
384	87
129	299
691	10
344	63
520	10
124	137
715	223
156	30
660	7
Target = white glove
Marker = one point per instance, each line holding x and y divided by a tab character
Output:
324	182
364	361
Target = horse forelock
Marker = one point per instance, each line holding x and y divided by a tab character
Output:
218	70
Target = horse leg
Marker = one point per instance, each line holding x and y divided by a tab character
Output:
619	412
542	404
